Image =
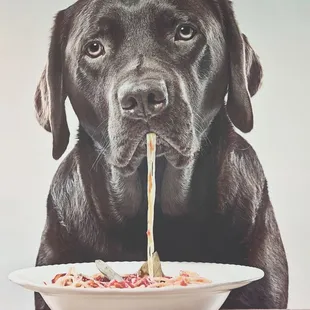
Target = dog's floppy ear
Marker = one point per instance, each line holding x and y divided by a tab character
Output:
50	95
254	70
245	73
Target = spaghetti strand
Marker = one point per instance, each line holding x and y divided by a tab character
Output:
151	190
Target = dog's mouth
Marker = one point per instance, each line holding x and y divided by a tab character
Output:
162	146
178	157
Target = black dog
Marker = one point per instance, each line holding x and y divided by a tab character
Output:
130	67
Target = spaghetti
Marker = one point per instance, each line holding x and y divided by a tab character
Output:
73	279
151	190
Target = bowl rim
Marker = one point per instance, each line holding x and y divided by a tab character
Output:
17	278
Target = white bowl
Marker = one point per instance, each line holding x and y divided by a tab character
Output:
207	296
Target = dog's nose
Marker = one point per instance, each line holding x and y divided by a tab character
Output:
143	100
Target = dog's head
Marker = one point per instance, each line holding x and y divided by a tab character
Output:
130	67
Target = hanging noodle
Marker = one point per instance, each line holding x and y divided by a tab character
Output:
151	190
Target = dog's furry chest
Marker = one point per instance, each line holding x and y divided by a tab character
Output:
176	239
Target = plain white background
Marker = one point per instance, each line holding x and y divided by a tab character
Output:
279	30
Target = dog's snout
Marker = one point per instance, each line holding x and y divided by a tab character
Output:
143	100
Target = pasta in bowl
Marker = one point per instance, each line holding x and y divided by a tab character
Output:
131	281
108	278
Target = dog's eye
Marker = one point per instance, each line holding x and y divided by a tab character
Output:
94	49
185	33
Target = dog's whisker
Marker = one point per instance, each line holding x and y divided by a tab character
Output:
94	165
105	120
198	123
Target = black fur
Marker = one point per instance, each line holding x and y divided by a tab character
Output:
212	202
